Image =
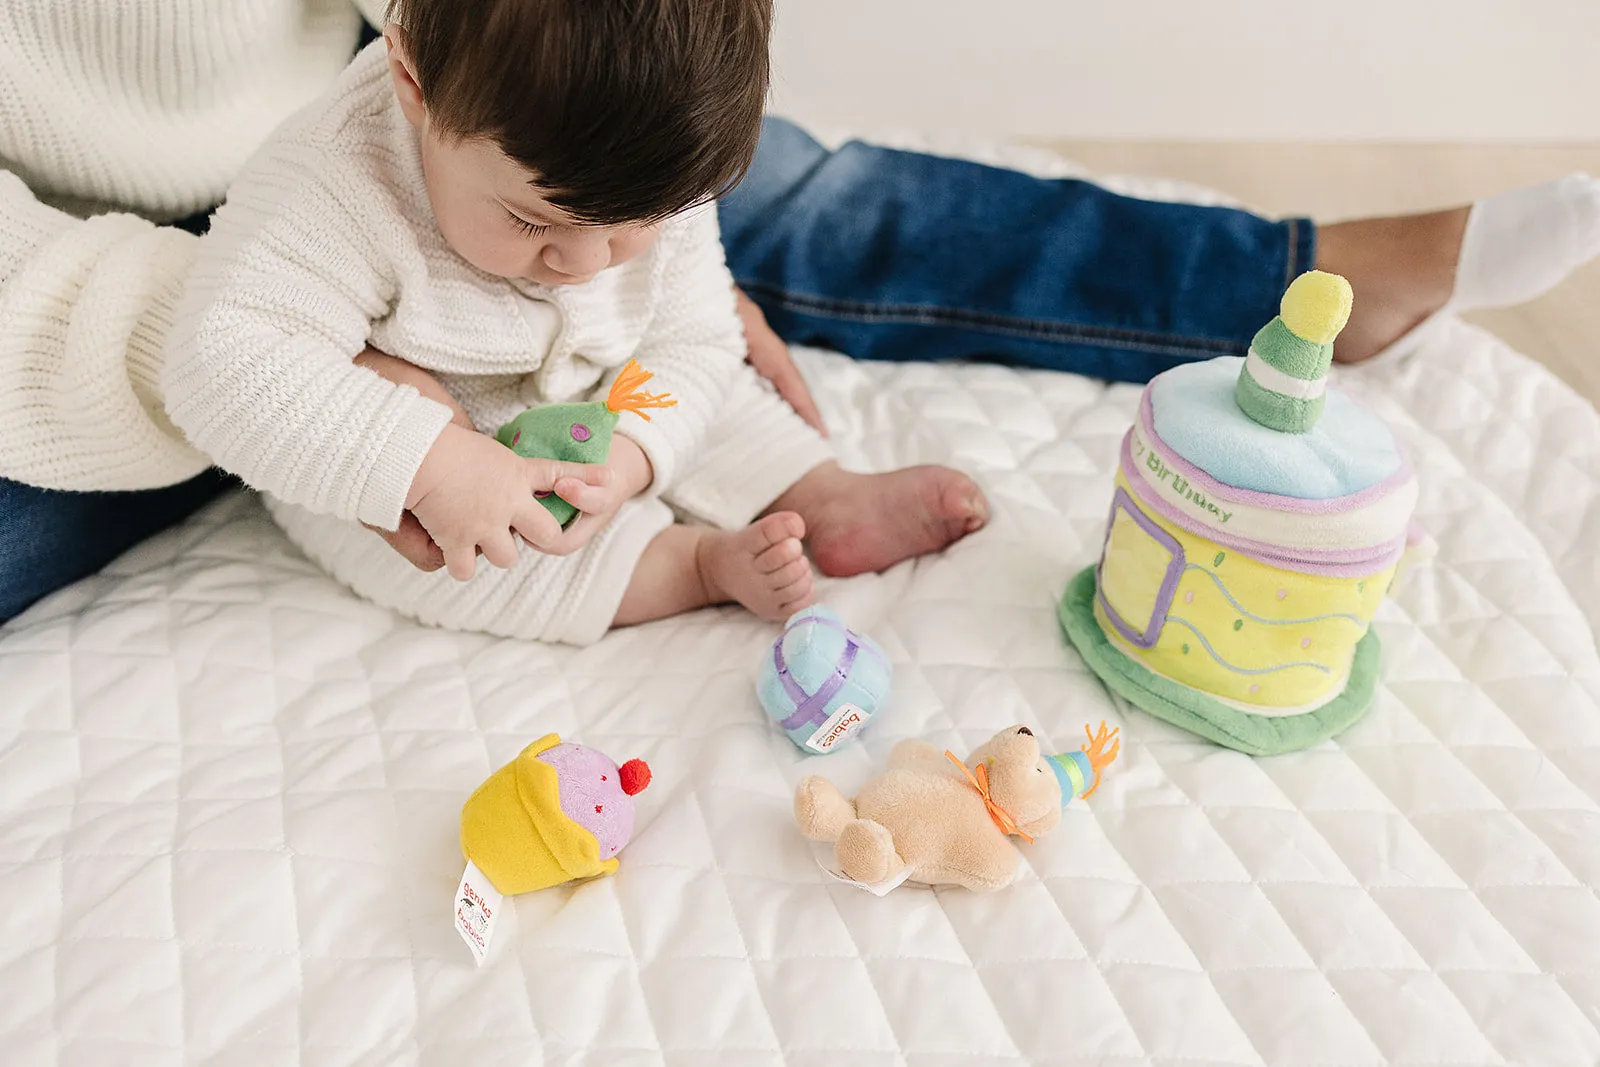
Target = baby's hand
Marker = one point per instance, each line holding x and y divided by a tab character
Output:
472	492
631	474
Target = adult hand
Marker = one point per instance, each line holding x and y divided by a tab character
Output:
773	361
414	543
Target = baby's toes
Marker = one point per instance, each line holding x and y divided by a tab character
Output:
780	556
789	574
798	592
773	530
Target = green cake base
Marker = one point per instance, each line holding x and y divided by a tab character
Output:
1200	713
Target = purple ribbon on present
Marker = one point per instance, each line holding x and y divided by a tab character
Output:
812	707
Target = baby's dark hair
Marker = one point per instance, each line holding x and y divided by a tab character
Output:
627	110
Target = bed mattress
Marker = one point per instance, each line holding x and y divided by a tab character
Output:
229	794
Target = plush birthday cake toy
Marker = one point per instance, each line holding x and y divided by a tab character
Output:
1258	521
556	813
580	433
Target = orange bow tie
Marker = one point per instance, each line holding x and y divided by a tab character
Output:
980	782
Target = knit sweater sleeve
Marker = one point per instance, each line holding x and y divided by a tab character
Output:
85	306
694	346
260	372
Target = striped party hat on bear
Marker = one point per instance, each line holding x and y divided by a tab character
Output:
1285	374
1078	773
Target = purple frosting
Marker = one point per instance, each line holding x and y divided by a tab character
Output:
591	794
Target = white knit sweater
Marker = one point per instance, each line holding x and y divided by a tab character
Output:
327	241
148	107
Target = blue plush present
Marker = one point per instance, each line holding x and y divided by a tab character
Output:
823	681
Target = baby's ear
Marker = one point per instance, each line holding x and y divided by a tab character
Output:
403	72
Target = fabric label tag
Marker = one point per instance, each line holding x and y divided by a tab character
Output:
882	889
477	908
839	727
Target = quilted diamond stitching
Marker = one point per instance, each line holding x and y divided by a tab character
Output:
229	790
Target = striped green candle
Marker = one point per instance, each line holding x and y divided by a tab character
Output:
1285	373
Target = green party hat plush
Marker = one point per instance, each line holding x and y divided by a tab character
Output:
580	433
1285	376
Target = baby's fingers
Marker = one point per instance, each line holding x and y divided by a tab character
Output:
579	534
543	474
460	559
590	499
501	551
537	526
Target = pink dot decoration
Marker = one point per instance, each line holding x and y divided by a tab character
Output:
515	438
1188	598
580	432
1283	594
1305	642
1256	688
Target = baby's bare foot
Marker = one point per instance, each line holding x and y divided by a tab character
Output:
762	566
869	522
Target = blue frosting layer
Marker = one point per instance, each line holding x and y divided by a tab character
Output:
1350	448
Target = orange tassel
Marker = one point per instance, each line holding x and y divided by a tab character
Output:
626	394
1102	748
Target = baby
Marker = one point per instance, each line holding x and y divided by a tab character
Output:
497	206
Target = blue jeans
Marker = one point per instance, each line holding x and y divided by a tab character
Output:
881	255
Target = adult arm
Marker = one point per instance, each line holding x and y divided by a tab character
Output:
771	358
85	308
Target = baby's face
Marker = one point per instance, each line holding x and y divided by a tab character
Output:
492	217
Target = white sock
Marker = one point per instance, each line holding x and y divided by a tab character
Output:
1518	246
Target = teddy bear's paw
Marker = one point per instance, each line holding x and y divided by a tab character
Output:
978	879
865	850
820	810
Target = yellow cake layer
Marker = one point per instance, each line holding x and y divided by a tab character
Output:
1237	628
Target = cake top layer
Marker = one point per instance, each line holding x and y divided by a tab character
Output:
1346	450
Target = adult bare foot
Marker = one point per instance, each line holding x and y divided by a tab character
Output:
1502	251
1402	271
869	522
762	566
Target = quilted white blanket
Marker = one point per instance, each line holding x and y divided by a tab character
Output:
229	796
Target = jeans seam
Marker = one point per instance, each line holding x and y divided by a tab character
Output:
1302	249
1291	260
1034	329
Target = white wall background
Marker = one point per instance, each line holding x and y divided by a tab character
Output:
1501	70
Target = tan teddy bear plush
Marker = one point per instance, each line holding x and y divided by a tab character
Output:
935	820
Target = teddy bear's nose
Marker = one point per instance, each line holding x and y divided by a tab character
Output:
1024	730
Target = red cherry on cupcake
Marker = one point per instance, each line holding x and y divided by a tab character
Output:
635	776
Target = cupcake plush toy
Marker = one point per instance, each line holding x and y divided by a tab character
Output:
1259	518
556	813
